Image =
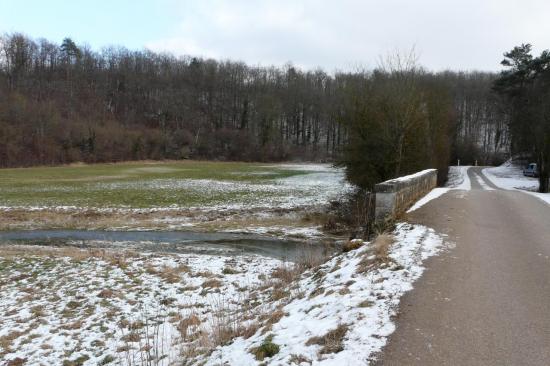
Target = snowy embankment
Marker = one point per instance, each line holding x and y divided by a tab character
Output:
458	180
94	307
510	176
342	312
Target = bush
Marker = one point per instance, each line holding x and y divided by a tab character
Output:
266	349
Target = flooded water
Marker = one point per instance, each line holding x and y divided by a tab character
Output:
168	242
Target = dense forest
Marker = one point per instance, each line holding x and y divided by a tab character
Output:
63	103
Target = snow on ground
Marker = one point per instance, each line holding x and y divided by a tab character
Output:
406	178
318	186
433	194
247	203
482	183
94	307
510	176
458	179
342	313
63	305
281	231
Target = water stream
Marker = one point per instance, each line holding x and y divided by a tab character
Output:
167	241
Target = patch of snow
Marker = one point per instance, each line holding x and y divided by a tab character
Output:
510	176
433	194
337	293
58	302
284	231
458	180
406	178
482	183
541	196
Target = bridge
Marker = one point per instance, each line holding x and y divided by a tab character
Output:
486	301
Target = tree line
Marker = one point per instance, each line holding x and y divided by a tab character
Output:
525	88
63	103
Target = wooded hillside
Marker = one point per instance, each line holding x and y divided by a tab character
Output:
61	103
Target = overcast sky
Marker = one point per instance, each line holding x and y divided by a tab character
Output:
337	34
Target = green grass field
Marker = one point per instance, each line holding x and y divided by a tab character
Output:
141	184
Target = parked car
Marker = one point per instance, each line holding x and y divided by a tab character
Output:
531	170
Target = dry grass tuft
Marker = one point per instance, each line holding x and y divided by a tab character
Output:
332	342
106	294
115	258
299	359
7	340
365	304
285	273
352	245
17	362
187	325
378	253
211	283
230	271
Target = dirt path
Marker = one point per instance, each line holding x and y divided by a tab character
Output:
486	301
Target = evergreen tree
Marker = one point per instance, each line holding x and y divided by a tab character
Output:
526	87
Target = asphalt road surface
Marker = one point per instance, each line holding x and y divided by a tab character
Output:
487	300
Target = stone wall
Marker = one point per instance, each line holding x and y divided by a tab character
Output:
394	197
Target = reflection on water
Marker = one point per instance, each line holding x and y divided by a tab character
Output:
168	242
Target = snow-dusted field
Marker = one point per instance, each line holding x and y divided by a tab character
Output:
248	198
310	184
94	307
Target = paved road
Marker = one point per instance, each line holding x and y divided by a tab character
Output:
487	300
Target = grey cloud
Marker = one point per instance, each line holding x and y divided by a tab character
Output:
461	35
